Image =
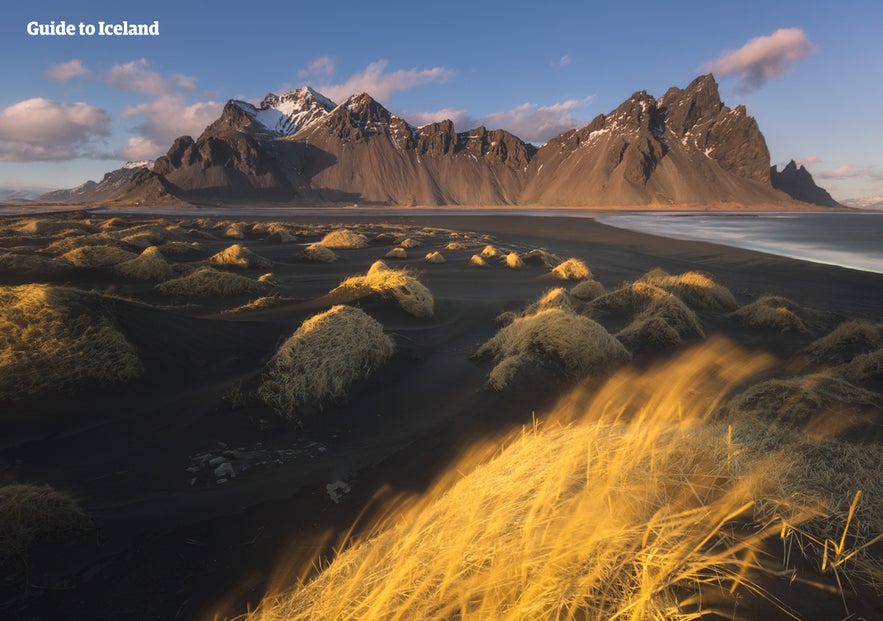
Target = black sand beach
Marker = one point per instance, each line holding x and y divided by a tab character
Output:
172	542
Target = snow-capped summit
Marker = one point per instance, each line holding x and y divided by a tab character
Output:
284	114
148	164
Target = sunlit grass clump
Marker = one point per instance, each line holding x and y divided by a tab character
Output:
317	253
571	269
323	358
149	265
848	340
97	256
435	257
587	290
576	344
694	288
514	262
772	312
621	504
397	253
207	282
238	256
344	239
54	337
397	284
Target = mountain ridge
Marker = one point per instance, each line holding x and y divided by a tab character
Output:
686	147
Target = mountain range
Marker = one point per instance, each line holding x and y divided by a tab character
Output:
683	148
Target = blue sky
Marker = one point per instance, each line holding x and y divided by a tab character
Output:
72	108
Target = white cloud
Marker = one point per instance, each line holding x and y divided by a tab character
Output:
324	65
63	72
39	129
528	121
376	82
563	61
167	117
141	148
461	119
809	160
535	123
848	171
135	76
762	58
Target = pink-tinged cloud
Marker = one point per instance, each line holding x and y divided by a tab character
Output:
62	72
809	160
322	66
375	81
761	59
165	118
848	171
528	121
535	123
141	148
135	77
38	129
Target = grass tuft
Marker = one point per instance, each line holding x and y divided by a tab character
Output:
344	239
400	285
323	358
571	269
238	256
207	282
434	257
694	288
772	312
149	265
318	253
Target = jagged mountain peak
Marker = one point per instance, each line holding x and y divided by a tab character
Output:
798	183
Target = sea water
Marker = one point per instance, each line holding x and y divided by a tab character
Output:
852	240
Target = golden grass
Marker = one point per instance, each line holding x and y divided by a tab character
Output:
477	261
410	242
29	262
282	236
621	504
587	290
318	253
323	358
864	367
657	319
261	303
235	231
489	252
542	258
455	245
772	312
797	400
181	247
149	265
51	227
580	346
208	282
551	298
694	288
434	257
344	239
68	243
54	337
514	262
32	514
571	269
97	256
238	256
847	340
397	253
400	285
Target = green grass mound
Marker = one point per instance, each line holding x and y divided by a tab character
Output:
571	269
323	358
54	337
149	265
207	282
400	285
344	239
577	344
694	288
238	256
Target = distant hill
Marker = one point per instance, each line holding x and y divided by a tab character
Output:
111	184
871	203
686	147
